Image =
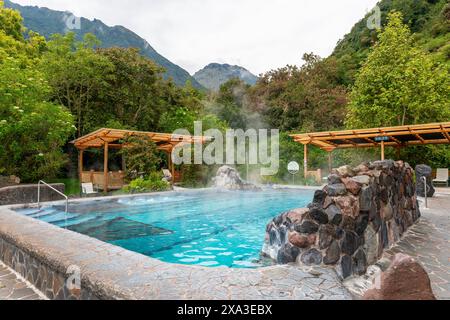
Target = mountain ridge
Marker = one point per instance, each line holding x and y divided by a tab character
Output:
47	21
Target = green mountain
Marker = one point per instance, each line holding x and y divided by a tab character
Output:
429	20
47	22
214	75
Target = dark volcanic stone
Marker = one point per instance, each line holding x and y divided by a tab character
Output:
384	235
282	231
365	199
326	235
318	215
307	227
278	220
350	243
339	233
334	214
346	265
319	197
311	257
348	223
384	195
273	237
334	179
423	170
333	254
360	262
385	164
374	217
361	224
287	254
328	202
335	190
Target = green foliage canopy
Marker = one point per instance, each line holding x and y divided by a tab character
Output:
399	84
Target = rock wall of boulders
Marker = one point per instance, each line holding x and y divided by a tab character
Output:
424	171
28	193
361	212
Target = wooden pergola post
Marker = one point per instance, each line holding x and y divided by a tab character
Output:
80	165
398	152
382	151
105	167
330	161
305	160
172	167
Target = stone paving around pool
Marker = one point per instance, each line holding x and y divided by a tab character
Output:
14	288
429	243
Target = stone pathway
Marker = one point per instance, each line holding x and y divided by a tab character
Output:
13	288
429	243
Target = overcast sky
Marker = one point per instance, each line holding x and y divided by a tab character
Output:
257	34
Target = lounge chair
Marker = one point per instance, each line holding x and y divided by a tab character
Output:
441	177
88	189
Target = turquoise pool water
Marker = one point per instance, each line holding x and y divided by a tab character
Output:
208	228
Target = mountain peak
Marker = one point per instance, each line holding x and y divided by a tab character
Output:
215	74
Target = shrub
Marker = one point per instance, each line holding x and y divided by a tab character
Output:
141	156
153	183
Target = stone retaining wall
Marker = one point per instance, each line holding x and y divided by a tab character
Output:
27	193
361	212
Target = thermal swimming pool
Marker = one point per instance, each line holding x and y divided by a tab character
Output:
207	228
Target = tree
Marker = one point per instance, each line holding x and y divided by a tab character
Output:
135	89
230	104
11	22
77	74
399	84
12	41
32	129
301	98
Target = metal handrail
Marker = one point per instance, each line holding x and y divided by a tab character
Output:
57	191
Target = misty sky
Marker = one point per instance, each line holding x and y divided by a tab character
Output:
257	34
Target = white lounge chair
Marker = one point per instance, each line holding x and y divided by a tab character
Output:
88	188
441	177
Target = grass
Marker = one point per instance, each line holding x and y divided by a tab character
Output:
72	185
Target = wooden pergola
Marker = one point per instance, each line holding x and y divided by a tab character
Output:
398	137
112	139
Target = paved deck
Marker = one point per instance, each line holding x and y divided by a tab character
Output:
429	242
13	288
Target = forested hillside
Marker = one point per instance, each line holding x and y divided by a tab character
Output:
47	22
429	20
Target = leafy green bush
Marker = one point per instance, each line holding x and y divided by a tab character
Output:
141	156
153	183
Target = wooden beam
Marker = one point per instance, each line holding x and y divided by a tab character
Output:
382	150
445	133
105	168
